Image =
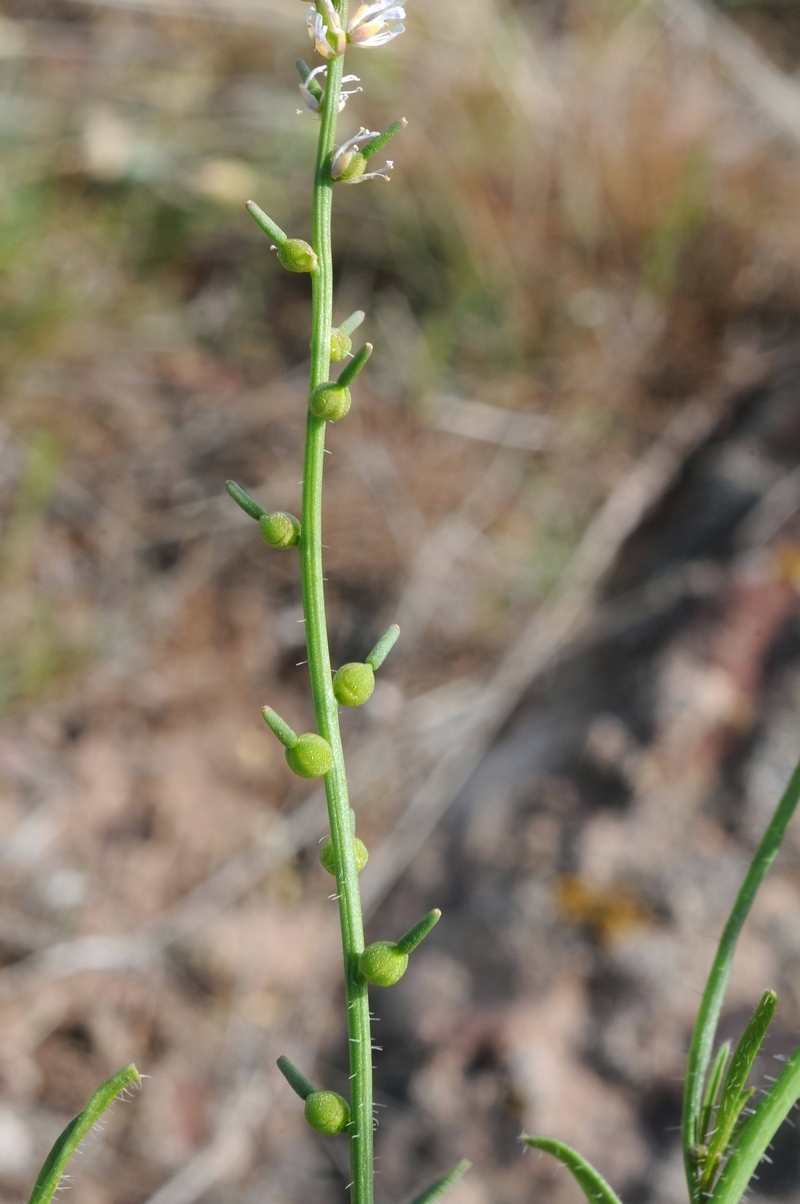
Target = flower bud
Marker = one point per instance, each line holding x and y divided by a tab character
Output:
327	1112
330	402
279	529
327	860
341	344
383	964
297	255
310	757
353	684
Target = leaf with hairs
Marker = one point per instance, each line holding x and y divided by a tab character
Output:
734	1095
712	1090
714	994
56	1161
594	1186
437	1189
756	1134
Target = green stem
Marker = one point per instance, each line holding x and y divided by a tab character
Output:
319	662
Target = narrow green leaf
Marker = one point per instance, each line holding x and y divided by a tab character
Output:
440	1186
711	1004
594	1186
712	1090
756	1134
56	1162
734	1096
744	1116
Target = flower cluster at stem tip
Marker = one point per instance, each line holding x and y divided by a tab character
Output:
370	25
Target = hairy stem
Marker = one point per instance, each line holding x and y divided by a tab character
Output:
319	662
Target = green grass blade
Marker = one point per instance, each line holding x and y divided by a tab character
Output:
756	1134
712	1090
594	1186
437	1189
734	1097
56	1162
711	1004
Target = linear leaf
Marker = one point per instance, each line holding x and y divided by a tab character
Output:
595	1188
56	1161
437	1189
756	1134
712	1090
734	1097
711	1004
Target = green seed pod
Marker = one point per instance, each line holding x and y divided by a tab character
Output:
341	344
330	402
279	529
383	964
353	684
327	1112
297	255
326	855
348	165
310	757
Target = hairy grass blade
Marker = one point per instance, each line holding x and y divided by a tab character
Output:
711	1004
734	1097
437	1189
712	1091
56	1162
595	1188
756	1134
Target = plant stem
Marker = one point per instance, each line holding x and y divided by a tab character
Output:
714	994
319	663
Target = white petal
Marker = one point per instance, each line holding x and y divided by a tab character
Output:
380	39
364	11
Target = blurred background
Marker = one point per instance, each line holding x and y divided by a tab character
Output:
572	475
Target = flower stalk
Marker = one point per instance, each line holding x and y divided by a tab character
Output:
325	705
320	754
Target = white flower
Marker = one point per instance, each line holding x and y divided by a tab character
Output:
314	102
348	162
369	26
325	29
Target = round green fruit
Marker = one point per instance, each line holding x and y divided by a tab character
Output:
327	1112
330	402
310	757
341	345
297	255
279	529
359	850
383	964
353	684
